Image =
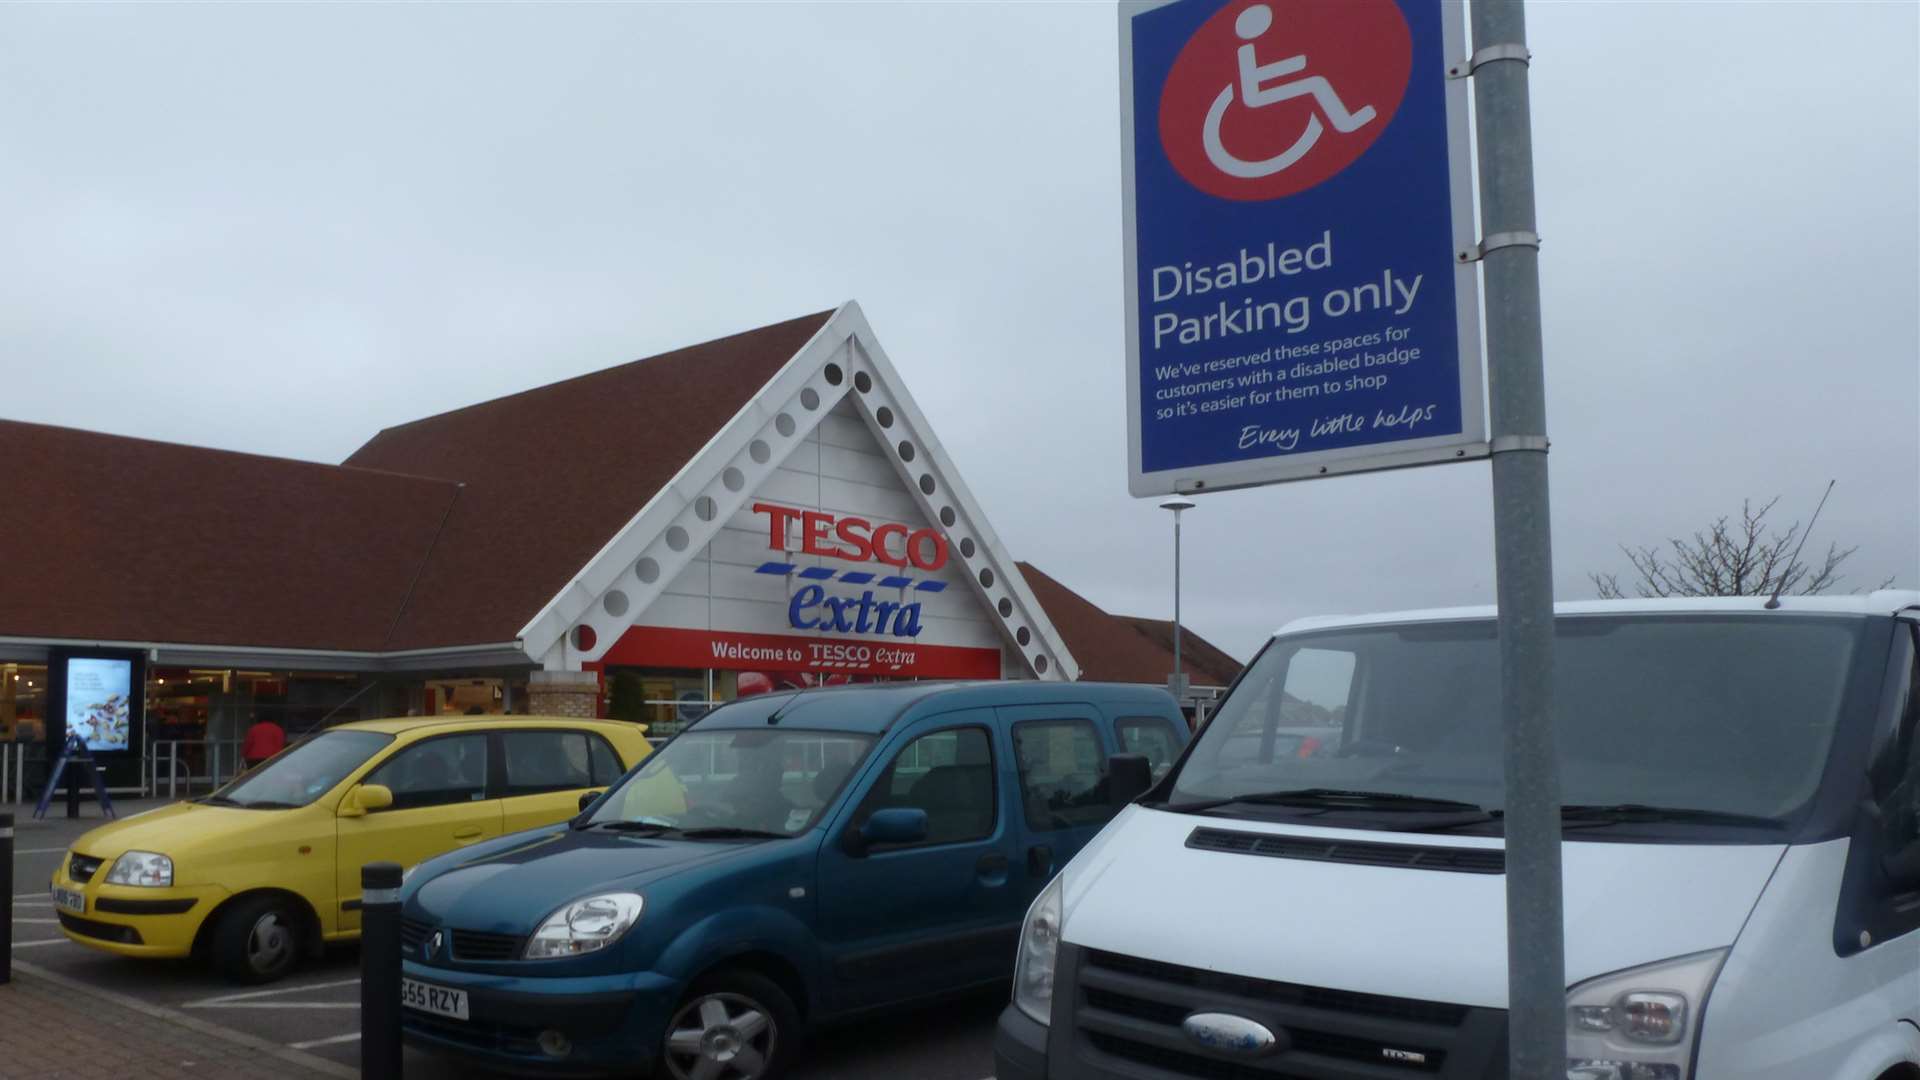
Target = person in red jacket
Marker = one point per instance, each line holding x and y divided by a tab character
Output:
264	739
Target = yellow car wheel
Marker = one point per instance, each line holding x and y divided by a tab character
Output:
257	940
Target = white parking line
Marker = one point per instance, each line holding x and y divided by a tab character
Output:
30	896
48	922
311	1043
37	850
229	999
37	944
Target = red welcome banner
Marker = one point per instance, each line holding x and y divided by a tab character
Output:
658	646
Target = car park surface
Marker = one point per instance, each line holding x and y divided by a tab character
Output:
817	856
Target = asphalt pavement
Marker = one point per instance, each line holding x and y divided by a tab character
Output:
317	1010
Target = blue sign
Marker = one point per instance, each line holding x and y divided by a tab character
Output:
1297	207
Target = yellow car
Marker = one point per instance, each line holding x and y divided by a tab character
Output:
267	868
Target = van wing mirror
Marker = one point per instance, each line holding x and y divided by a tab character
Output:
587	798
895	825
1128	777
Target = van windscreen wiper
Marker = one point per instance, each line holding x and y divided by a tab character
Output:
649	827
1634	813
729	832
1331	799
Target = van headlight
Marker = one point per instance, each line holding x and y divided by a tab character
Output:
1642	1023
146	868
1039	947
584	926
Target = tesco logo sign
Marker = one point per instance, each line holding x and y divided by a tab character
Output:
855	539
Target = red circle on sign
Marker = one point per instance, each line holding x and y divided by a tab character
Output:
1270	97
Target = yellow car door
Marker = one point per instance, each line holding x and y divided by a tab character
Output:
439	790
548	769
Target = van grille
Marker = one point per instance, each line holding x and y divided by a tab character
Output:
1410	856
475	945
413	934
1129	1012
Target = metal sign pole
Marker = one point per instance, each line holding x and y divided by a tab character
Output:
1523	543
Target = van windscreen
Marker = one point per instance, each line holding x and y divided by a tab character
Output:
1726	714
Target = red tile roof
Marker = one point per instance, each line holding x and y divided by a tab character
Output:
1120	648
552	473
107	538
452	530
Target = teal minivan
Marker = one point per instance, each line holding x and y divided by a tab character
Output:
789	861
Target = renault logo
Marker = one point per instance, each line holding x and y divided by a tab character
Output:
1231	1034
433	943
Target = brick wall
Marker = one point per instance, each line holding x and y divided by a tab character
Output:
563	693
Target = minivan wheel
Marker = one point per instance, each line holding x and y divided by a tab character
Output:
732	1025
257	941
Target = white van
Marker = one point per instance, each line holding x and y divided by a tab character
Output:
1315	889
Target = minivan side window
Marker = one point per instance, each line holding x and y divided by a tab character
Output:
949	774
1900	803
1149	735
541	761
436	772
1060	773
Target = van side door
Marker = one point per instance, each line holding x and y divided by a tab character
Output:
907	920
1060	786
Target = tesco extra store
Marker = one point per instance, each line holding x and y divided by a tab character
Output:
765	510
821	536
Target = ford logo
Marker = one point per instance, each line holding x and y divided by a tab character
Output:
1232	1034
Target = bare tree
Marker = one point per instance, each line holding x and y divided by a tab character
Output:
1729	558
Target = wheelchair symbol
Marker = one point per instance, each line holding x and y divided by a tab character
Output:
1258	90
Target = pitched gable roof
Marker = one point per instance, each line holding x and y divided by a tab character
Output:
551	474
1119	648
109	538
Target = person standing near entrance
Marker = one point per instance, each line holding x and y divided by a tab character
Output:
264	739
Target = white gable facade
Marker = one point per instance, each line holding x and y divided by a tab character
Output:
822	535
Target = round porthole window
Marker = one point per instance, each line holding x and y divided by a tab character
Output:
615	602
883	416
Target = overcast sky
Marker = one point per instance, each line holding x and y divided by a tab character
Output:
279	228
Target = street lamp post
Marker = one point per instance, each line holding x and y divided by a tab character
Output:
1178	684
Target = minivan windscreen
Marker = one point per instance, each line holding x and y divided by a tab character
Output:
722	784
1705	720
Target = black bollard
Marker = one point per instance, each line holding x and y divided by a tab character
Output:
6	898
380	971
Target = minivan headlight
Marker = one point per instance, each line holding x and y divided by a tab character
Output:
1642	1023
142	868
584	926
1039	948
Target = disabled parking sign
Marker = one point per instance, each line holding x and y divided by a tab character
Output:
1300	297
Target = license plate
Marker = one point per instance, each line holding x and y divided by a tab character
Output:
437	1000
68	900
